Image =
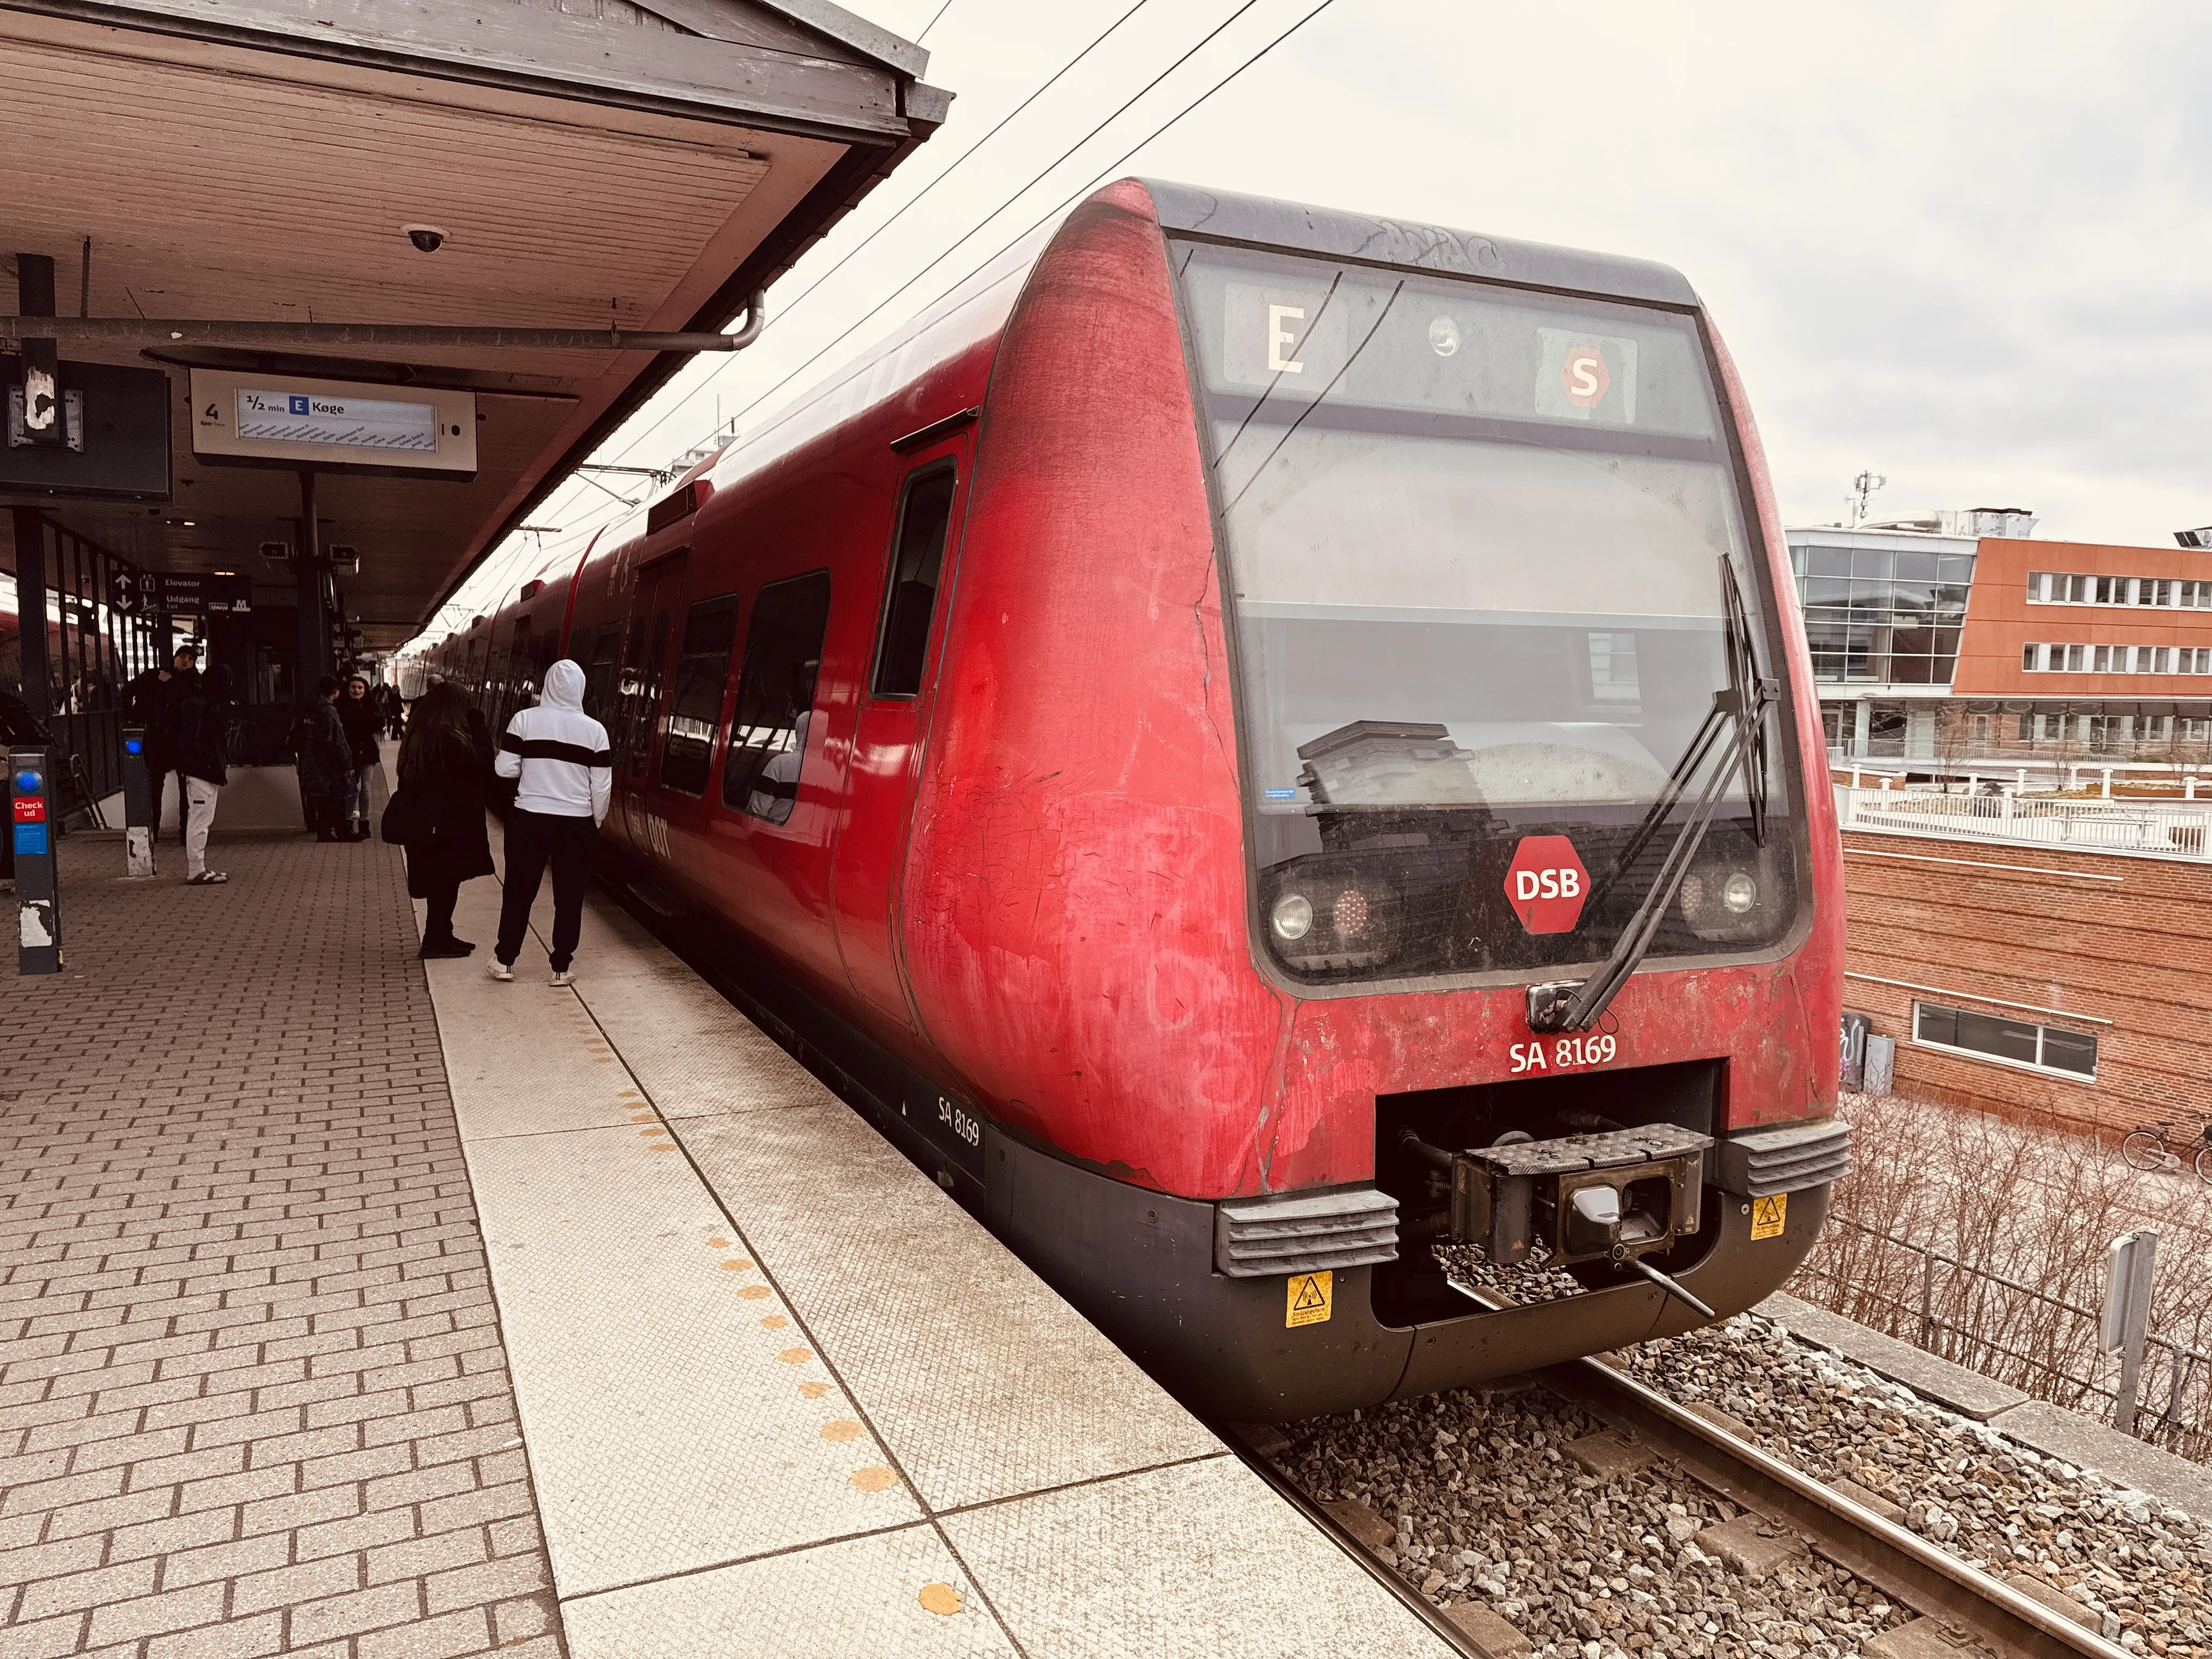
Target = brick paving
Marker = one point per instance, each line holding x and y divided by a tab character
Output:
252	1394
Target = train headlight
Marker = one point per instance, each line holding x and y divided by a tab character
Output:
1735	893
1293	916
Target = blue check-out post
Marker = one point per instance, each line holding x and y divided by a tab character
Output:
38	885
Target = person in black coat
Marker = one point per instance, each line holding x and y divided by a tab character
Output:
156	701
325	762
359	715
203	760
438	815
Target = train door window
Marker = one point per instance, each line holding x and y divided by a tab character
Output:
910	596
600	671
695	707
648	694
776	697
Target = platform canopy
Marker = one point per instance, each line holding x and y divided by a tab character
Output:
633	166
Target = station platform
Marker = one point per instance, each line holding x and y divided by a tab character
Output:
361	1309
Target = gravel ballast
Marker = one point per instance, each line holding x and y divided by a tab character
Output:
1490	1501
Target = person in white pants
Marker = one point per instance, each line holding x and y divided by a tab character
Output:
202	759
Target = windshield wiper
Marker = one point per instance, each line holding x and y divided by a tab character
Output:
1741	710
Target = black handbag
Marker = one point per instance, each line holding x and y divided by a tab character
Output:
411	817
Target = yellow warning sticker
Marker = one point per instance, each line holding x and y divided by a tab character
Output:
1309	1300
1769	1216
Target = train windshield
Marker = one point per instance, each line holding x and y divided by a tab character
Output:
1479	544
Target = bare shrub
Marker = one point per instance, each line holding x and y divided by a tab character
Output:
1984	1242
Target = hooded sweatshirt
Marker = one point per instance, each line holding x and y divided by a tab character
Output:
559	752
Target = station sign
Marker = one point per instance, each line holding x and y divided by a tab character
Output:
114	440
336	426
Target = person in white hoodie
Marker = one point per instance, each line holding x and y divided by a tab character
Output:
565	773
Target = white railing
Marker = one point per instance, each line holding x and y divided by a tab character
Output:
2171	830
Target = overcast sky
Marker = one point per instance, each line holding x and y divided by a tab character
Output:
1965	246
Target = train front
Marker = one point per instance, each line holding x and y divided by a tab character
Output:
1540	874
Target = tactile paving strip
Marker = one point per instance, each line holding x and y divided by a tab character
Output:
897	1594
987	1384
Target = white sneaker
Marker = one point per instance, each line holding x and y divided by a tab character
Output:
564	977
500	970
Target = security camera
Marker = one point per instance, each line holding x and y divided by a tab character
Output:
428	239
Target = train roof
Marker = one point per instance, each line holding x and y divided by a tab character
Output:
1297	227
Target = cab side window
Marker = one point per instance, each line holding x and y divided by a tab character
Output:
775	696
910	595
695	707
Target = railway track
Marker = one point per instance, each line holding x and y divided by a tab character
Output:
1961	1607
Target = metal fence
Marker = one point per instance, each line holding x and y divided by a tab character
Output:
94	649
2173	830
2041	1344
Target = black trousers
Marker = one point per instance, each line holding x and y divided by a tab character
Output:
535	840
438	906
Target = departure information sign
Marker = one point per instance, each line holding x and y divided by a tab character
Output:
338	425
308	417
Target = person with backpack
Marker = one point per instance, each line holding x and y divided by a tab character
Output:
202	761
564	779
438	813
325	760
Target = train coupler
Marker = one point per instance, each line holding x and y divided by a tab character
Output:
1612	1196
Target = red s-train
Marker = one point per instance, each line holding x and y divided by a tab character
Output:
1264	741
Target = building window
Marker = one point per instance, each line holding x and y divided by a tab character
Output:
2015	1041
1880	617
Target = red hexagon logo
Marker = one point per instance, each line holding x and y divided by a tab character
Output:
1547	884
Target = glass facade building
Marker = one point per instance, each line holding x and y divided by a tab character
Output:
1882	615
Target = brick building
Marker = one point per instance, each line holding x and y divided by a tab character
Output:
2069	988
1959	639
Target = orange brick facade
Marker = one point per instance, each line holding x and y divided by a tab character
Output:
2049	929
2000	619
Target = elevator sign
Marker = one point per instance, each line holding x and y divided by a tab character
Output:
1547	884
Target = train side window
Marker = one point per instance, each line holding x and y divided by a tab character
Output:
917	562
695	707
648	694
776	697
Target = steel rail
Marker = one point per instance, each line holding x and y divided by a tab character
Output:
1901	1563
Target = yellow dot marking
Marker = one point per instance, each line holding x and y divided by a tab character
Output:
811	1390
718	1243
843	1428
754	1292
660	1146
875	1480
941	1599
736	1264
794	1356
776	1322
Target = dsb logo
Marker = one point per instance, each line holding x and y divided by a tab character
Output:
1547	884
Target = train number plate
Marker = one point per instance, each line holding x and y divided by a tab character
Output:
1562	1053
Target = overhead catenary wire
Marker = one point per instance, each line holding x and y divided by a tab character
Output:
1062	205
786	307
1089	183
976	230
